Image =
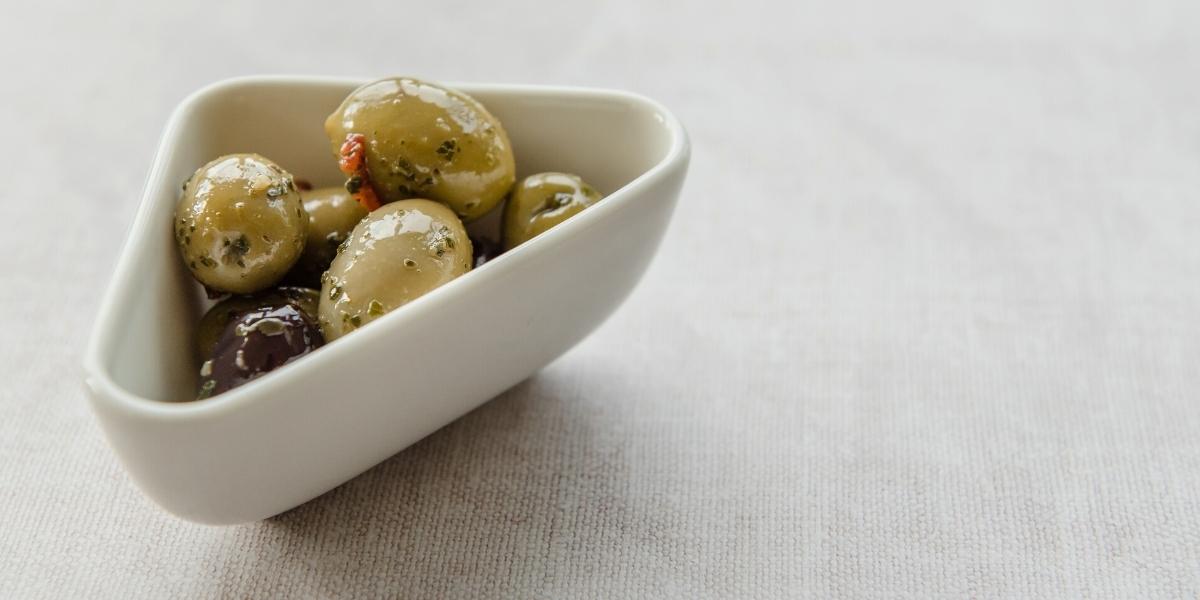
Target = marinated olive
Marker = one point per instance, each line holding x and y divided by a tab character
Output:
256	343
403	138
214	322
240	224
332	213
542	201
396	254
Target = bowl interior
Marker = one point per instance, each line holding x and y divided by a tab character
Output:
145	333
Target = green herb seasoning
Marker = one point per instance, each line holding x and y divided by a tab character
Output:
351	321
448	149
375	308
405	168
235	250
206	389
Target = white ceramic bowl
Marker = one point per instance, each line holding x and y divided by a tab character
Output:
307	427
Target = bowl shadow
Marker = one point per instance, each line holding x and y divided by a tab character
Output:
481	505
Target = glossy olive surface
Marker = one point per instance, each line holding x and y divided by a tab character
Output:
395	255
426	141
332	214
254	344
542	201
213	323
240	223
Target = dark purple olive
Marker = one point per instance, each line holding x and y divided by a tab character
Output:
484	250
215	321
255	343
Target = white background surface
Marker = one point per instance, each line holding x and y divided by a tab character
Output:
927	321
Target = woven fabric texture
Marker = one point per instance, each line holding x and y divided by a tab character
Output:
926	324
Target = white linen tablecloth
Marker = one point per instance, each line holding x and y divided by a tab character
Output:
927	322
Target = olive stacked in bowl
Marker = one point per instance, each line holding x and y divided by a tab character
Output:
299	267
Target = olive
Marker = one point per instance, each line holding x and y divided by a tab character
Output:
240	223
483	250
214	322
422	140
395	255
542	201
254	344
332	213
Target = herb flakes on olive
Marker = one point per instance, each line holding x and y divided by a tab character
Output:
240	224
395	255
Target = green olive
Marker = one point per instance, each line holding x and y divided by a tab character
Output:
542	201
240	224
214	322
332	213
426	141
395	255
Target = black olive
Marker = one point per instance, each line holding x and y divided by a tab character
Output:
254	344
215	321
483	250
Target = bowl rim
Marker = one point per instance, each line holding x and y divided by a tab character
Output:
104	388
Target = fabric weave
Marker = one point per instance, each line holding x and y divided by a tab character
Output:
926	324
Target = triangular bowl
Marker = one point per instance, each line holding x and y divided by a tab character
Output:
309	426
